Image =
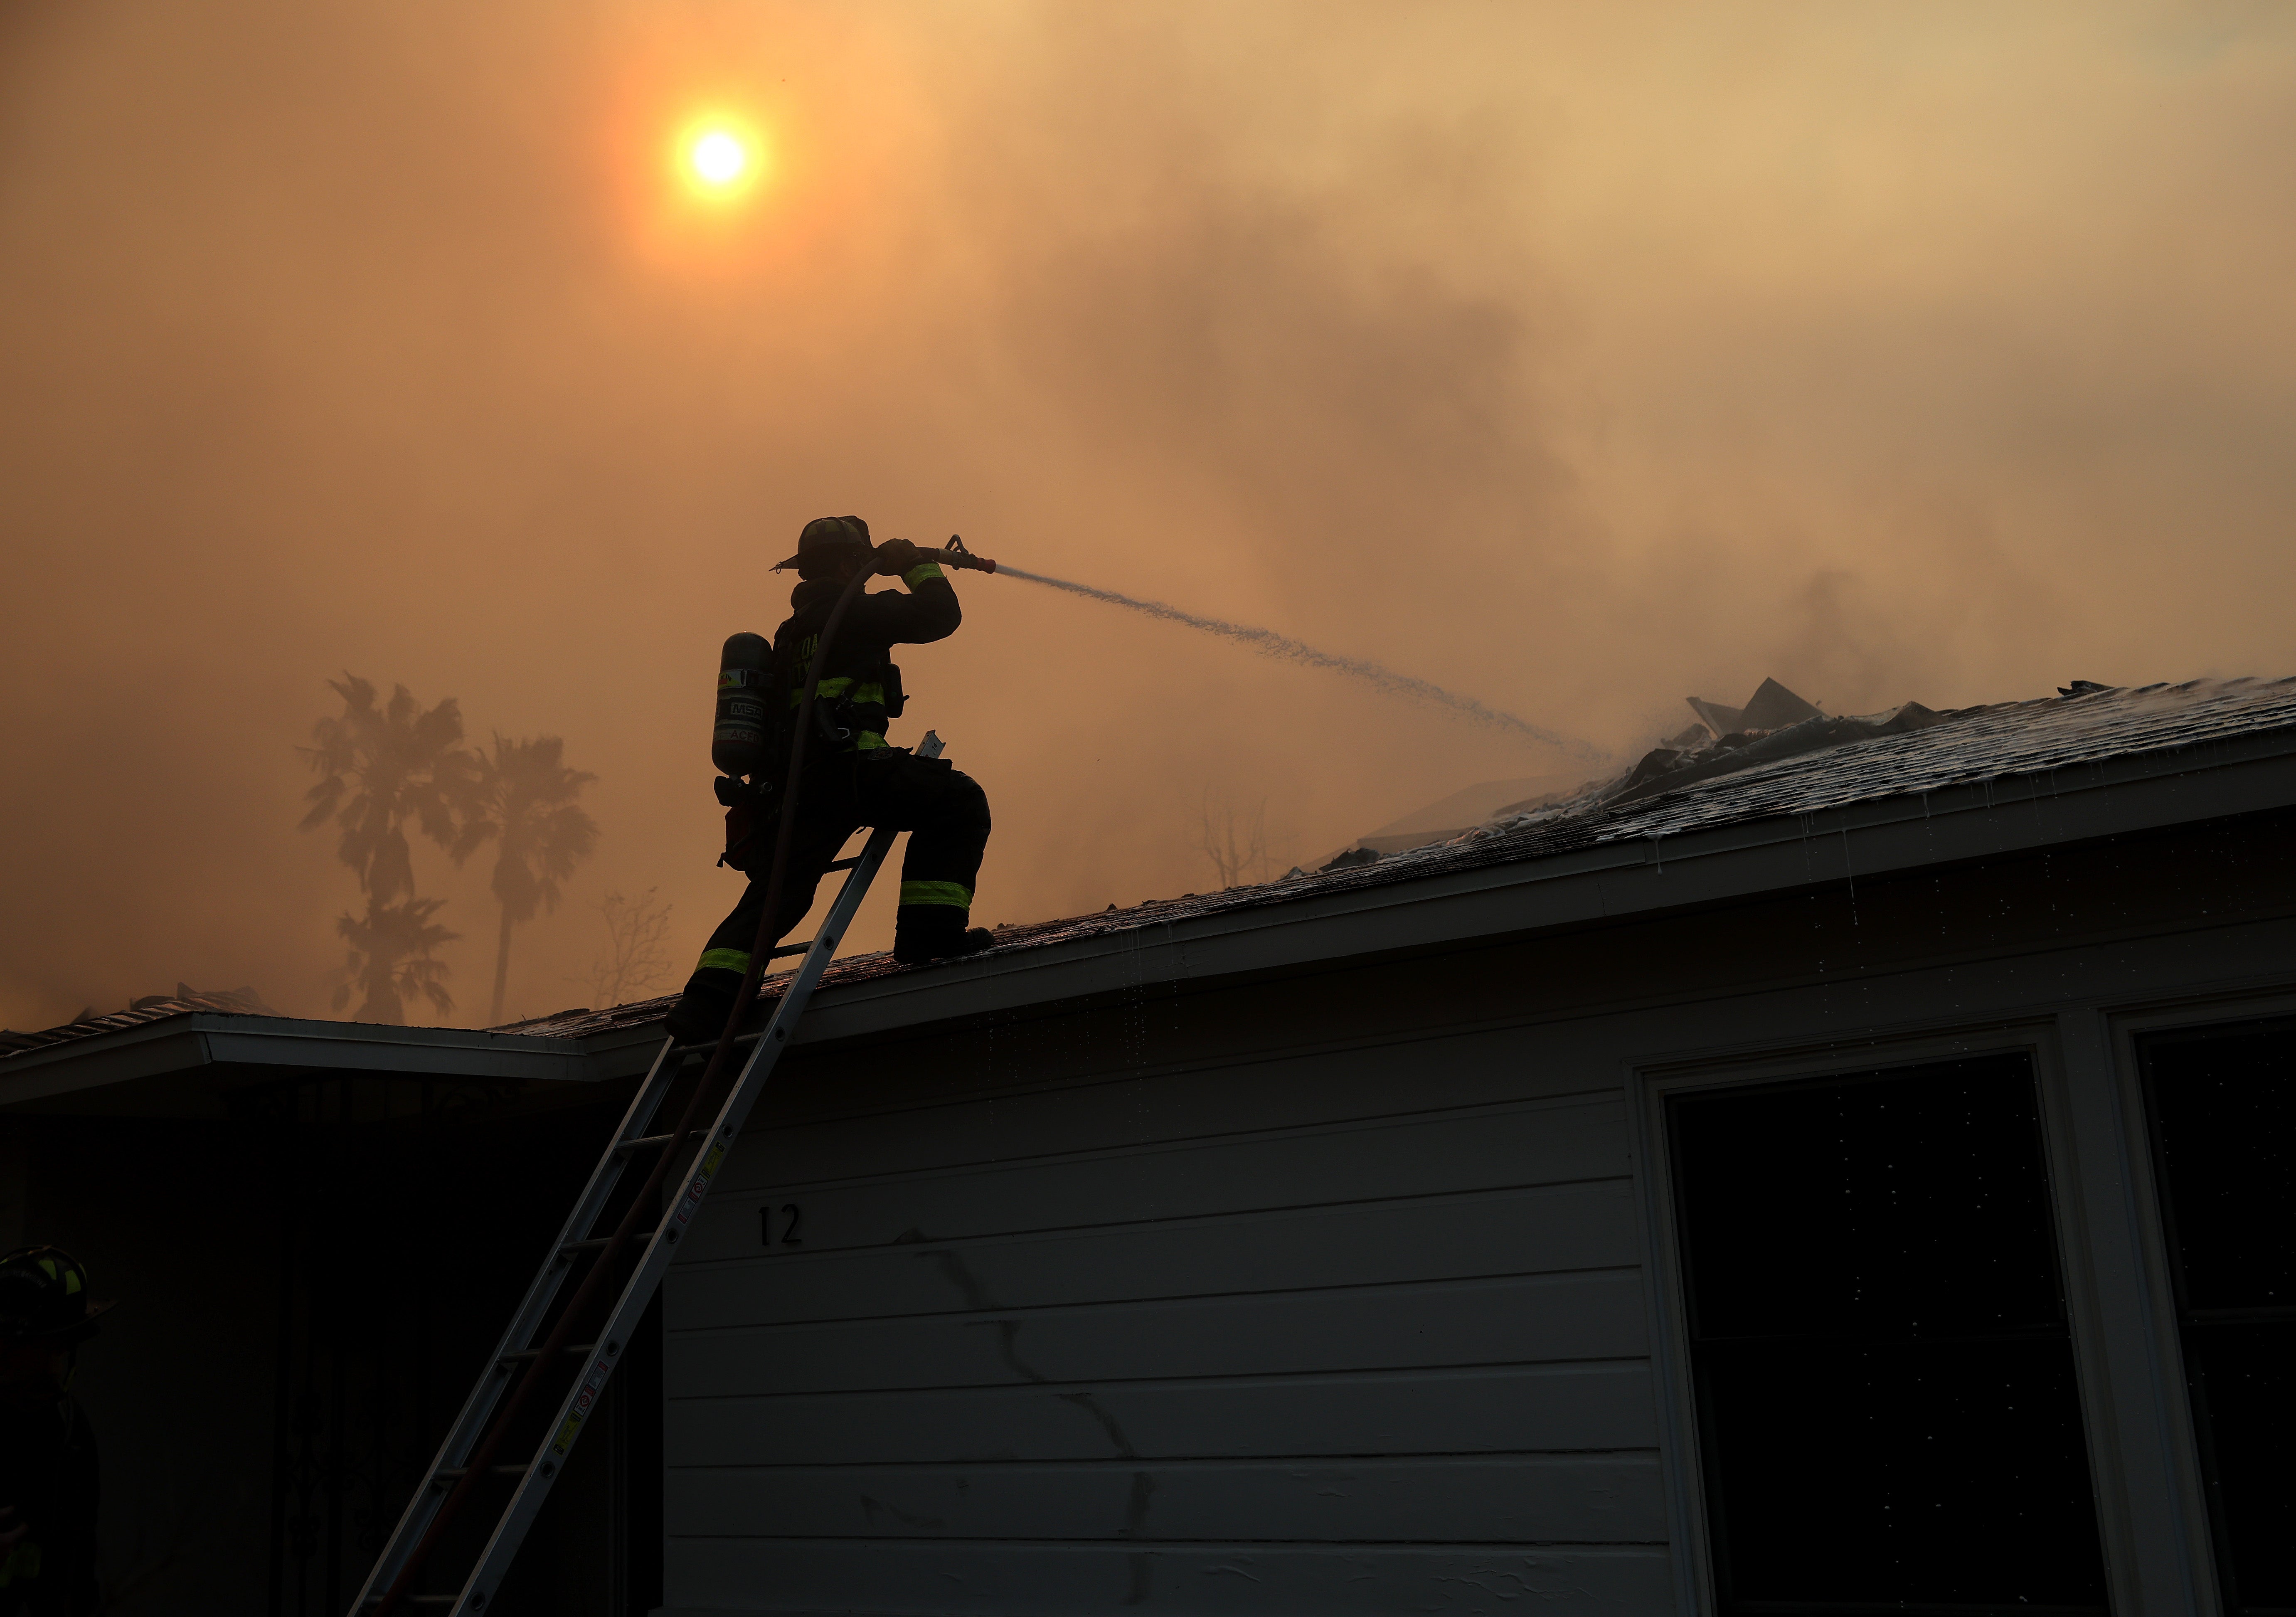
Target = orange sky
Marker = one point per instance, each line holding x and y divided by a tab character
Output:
1576	358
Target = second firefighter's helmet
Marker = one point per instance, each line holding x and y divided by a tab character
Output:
43	1292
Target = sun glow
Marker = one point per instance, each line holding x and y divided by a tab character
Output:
719	158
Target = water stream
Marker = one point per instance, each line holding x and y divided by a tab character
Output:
1268	642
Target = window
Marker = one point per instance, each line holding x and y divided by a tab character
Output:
1883	1369
2223	1104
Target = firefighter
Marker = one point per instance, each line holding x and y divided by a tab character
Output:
48	1452
856	779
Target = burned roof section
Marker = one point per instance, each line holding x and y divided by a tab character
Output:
1771	707
1828	762
1669	767
1773	723
1713	745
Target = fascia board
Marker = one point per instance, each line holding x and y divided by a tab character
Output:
440	1052
1986	819
183	1044
629	1052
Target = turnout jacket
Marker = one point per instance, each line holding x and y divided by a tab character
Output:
48	1473
860	687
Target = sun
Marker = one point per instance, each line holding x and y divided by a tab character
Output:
718	158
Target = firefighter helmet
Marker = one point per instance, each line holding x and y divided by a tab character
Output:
826	534
43	1292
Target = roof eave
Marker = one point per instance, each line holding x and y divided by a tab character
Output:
149	1066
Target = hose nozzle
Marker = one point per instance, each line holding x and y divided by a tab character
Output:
956	555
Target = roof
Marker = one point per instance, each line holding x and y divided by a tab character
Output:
152	1007
1806	769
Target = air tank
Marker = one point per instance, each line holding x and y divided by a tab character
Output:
738	744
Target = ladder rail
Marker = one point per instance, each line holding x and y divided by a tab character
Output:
464	1436
575	1407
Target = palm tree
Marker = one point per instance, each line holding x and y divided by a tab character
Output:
397	763
521	797
390	959
381	766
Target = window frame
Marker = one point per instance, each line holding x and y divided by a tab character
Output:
2128	1030
2122	1027
1650	1083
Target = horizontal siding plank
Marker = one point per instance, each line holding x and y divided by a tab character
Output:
1507	1410
1507	1232
1591	1498
1519	1320
721	1575
1545	1143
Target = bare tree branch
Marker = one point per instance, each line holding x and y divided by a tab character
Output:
637	950
1238	851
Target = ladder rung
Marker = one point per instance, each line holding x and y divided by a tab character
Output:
598	1243
645	1142
441	1600
523	1354
711	1044
811	943
455	1474
845	863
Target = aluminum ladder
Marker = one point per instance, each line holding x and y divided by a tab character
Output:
531	1480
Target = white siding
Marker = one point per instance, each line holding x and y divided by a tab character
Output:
1327	1296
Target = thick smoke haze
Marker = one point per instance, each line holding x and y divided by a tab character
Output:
1572	358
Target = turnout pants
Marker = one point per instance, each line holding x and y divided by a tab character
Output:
945	814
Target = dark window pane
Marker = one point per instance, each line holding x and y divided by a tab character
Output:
2223	1103
1884	1376
1892	1206
2244	1381
2224	1113
1929	1471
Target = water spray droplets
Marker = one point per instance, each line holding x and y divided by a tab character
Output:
1268	642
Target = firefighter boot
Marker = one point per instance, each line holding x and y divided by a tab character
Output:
700	1015
934	932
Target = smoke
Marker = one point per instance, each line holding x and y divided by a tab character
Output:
1575	358
1268	642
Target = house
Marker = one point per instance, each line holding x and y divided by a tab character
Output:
1825	1179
